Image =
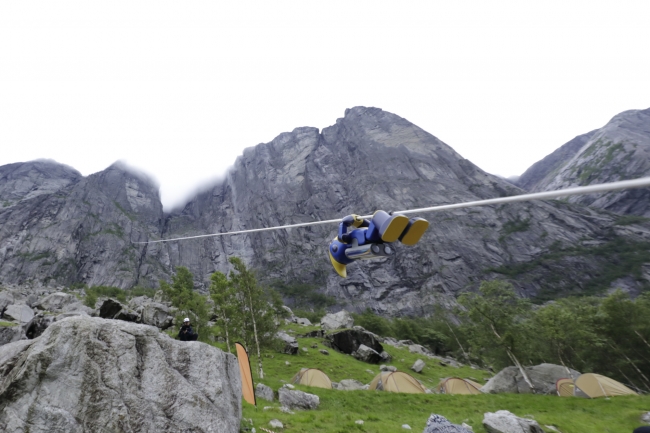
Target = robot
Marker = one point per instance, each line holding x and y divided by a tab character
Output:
370	239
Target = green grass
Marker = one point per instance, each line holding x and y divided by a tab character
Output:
386	412
7	324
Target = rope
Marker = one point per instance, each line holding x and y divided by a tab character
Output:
604	187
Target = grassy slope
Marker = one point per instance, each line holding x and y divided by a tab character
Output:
386	412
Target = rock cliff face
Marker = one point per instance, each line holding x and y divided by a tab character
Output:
618	151
368	160
94	375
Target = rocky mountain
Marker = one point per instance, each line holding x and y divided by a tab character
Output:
618	151
370	159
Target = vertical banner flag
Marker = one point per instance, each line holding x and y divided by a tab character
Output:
246	374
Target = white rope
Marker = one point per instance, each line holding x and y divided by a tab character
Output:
604	187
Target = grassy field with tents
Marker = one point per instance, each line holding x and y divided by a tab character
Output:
386	412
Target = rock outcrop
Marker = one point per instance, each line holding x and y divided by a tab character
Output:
543	377
348	341
620	150
297	399
93	375
440	424
85	229
339	320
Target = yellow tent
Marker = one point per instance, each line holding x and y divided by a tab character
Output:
396	381
312	377
565	388
594	385
456	385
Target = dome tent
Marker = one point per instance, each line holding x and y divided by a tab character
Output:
593	385
396	381
456	385
565	387
312	377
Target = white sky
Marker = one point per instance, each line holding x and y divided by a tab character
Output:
179	89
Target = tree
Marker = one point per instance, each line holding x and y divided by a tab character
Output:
189	303
226	304
256	310
496	320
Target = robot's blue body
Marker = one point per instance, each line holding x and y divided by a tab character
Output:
370	238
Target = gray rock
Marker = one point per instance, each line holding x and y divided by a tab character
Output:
302	321
406	427
366	354
418	366
387	368
55	301
19	312
304	349
297	399
10	334
290	343
440	424
324	351
276	423
156	314
646	417
38	325
339	320
543	377
503	421
264	392
419	349
359	421
385	356
350	385
140	380
348	341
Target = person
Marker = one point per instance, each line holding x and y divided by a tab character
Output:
186	333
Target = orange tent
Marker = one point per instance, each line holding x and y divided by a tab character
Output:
397	381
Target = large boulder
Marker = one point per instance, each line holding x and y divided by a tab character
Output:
112	309
55	301
264	392
367	354
87	374
156	314
349	340
20	313
290	343
440	424
297	399
38	325
543	377
503	421
350	385
339	320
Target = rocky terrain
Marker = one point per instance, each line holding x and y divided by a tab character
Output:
618	151
64	229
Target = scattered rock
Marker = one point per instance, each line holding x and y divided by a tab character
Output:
503	421
387	368
359	421
112	309
276	423
543	376
406	427
140	380
324	352
646	417
286	410
55	301
304	349
288	386
419	349
350	385
297	399
302	321
156	314
10	334
370	371
38	325
339	320
290	343
366	354
418	366
467	426
349	340
264	392
21	313
319	333
385	356
287	363
314	346
440	424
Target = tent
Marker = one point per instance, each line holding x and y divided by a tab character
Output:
456	385
396	381
594	385
565	387
312	377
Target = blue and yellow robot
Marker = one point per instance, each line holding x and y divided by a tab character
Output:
370	239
